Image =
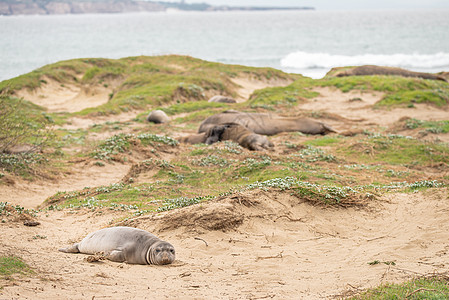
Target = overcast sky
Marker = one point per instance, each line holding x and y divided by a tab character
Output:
335	4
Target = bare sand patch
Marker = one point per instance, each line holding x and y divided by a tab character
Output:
358	105
57	97
247	85
32	194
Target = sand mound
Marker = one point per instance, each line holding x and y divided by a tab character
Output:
57	97
247	85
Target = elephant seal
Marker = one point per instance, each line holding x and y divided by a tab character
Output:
222	99
379	70
158	117
126	244
199	138
239	134
266	124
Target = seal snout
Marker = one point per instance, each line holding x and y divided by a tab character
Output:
162	254
166	259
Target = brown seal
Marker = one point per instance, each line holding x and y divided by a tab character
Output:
266	124
379	70
198	138
239	134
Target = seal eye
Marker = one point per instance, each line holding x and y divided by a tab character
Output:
172	251
158	250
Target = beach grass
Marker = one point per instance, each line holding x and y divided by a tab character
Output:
435	287
10	265
332	163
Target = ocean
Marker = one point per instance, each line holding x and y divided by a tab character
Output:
305	42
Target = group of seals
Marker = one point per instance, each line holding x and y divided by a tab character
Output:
126	244
266	124
249	130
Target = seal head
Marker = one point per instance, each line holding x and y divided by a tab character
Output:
161	253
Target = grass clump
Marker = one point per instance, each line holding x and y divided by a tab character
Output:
429	126
313	154
315	193
23	134
25	164
399	90
112	146
23	123
170	204
396	150
149	138
188	107
283	96
419	288
120	143
10	265
211	160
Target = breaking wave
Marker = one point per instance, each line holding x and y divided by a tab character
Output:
303	60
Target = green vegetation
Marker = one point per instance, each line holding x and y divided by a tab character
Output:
429	126
398	90
113	146
283	96
420	288
22	123
396	150
309	172
142	82
24	133
10	265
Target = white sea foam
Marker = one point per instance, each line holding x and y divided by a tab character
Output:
303	60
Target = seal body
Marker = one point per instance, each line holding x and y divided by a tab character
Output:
157	116
222	99
126	244
381	70
199	138
239	134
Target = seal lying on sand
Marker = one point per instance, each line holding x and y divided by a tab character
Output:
222	99
379	70
239	134
157	116
126	244
266	124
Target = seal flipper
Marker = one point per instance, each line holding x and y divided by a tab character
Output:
71	249
327	129
116	255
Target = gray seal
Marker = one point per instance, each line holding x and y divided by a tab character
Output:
126	244
158	117
222	99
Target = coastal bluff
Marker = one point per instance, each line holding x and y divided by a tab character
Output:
50	7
